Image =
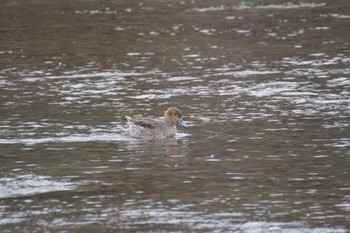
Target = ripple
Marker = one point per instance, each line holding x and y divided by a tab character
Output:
246	5
289	5
181	78
272	88
77	75
245	73
31	184
343	82
338	16
66	139
216	222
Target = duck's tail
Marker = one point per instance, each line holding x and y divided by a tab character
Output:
124	128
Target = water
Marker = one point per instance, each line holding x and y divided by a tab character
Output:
264	87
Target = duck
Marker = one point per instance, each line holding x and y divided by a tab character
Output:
155	128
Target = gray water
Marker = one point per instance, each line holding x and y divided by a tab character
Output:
264	86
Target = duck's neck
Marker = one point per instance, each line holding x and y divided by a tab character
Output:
166	119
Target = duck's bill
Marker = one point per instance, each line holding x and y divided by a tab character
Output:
182	123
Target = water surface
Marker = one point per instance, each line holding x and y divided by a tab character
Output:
264	87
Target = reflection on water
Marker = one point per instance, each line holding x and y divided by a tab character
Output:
264	87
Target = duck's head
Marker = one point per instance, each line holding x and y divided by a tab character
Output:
173	115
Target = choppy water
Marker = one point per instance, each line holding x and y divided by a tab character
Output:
264	87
